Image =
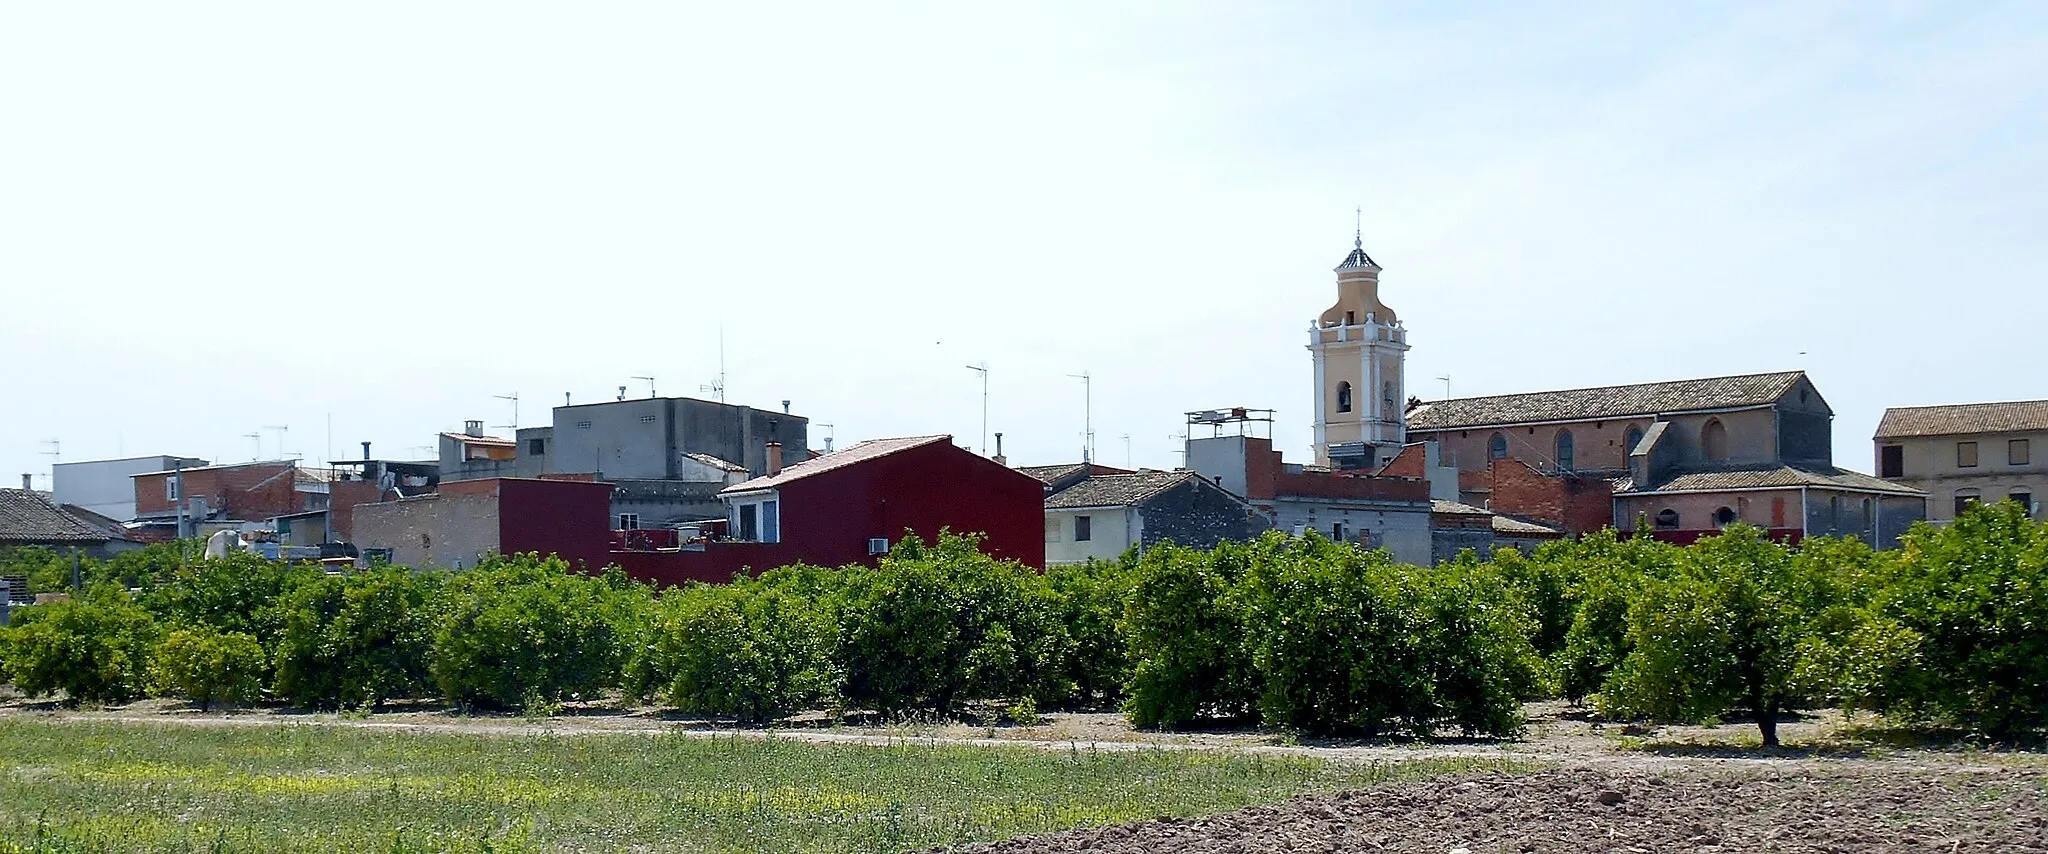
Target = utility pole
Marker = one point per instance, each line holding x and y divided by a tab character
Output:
1087	416
982	368
1127	450
514	398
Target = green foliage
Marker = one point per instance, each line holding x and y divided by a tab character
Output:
524	629
1726	631
938	625
1186	638
241	593
1091	602
357	640
95	649
1604	572
206	666
1970	602
1344	640
754	651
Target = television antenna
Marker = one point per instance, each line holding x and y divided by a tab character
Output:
1447	385
828	437
1087	416
717	387
650	385
255	445
514	398
280	430
982	368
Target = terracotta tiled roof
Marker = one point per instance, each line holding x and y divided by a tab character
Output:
860	453
1622	401
29	517
1061	471
1766	477
1454	508
1116	490
2009	417
1510	526
467	439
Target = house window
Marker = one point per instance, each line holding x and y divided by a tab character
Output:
1497	447
750	522
1714	440
629	521
1343	397
1630	440
1891	461
536	447
1565	451
1724	516
1965	498
1966	455
2018	453
172	487
2024	498
1667	519
1084	530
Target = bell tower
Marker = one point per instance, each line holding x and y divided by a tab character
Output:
1359	347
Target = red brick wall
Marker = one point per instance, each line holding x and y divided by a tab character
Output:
342	498
247	492
1579	505
1410	462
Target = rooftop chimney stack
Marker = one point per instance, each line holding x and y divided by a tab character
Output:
774	458
785	407
472	428
999	458
366	450
28	481
566	401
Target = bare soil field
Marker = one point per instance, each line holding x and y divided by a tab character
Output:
1858	807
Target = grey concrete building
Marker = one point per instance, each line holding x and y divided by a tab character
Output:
667	457
107	487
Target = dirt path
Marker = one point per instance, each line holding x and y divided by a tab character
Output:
1867	807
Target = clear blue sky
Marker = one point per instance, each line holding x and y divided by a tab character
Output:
216	218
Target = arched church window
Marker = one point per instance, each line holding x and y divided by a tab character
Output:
1714	440
1630	440
1565	451
1343	397
1497	447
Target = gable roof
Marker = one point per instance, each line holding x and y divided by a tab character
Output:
1057	472
1620	401
868	450
1117	490
1958	419
1768	476
29	517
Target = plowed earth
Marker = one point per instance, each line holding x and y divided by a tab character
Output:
1811	809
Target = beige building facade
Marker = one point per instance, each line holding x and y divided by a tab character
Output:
1359	347
1967	453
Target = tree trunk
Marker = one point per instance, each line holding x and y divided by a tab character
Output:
1767	721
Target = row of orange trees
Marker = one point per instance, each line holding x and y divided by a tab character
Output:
1302	634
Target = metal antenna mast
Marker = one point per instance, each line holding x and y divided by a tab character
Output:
514	398
982	368
1127	450
717	386
829	433
280	430
1447	385
255	445
1087	416
650	385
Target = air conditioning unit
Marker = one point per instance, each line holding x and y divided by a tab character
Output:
878	545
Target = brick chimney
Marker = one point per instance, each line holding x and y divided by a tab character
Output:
774	458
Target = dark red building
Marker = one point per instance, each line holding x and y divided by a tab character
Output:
849	507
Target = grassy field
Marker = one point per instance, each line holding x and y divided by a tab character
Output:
74	786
